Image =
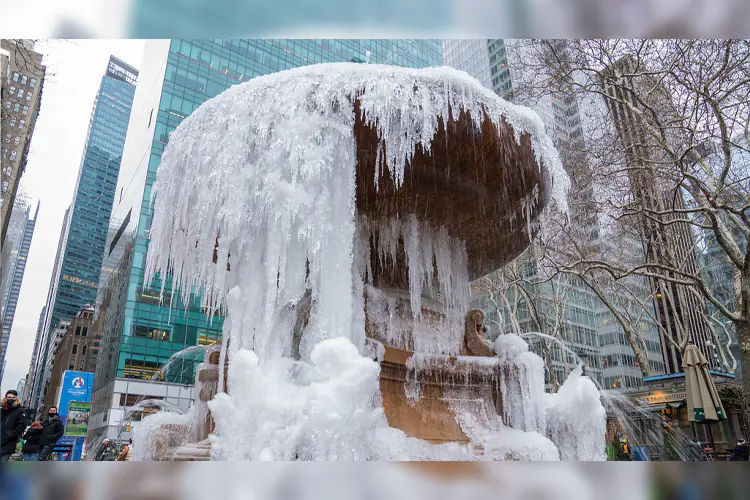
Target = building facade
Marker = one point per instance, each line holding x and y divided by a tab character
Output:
21	89
141	329
87	219
78	351
680	314
18	245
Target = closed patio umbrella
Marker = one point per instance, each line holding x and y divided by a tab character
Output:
704	405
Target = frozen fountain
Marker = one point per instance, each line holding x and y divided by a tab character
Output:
337	213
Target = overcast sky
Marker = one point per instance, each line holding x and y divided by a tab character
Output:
74	72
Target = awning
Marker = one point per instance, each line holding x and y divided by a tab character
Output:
675	405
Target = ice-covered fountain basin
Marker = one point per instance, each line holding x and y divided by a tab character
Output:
484	177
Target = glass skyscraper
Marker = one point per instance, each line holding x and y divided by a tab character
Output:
18	241
85	232
141	329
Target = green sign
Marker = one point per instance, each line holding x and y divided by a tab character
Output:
77	423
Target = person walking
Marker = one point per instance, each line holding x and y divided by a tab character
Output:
53	429
32	445
12	424
127	452
103	455
741	452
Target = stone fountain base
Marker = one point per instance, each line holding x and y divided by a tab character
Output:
428	415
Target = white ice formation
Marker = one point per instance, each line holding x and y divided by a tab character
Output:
254	205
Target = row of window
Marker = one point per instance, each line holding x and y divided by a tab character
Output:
75	350
23	79
15	139
72	364
12	123
13	154
17	107
21	93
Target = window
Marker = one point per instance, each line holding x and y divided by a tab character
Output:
78	330
151	333
15	76
21	123
16	107
12	122
83	352
17	140
75	349
25	110
12	89
24	79
84	331
28	96
20	92
81	364
32	82
71	364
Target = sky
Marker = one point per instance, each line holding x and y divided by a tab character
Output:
74	72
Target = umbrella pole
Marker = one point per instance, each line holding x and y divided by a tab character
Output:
711	438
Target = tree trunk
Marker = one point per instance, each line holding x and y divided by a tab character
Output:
743	335
743	328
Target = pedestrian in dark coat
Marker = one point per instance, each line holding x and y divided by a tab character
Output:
12	424
32	444
53	430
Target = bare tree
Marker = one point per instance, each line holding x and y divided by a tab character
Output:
665	153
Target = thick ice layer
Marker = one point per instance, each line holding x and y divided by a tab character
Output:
269	165
283	410
427	250
254	204
390	314
499	441
576	419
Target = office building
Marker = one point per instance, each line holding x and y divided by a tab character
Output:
34	386
18	243
21	90
717	271
679	312
55	340
26	395
142	330
87	221
78	351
